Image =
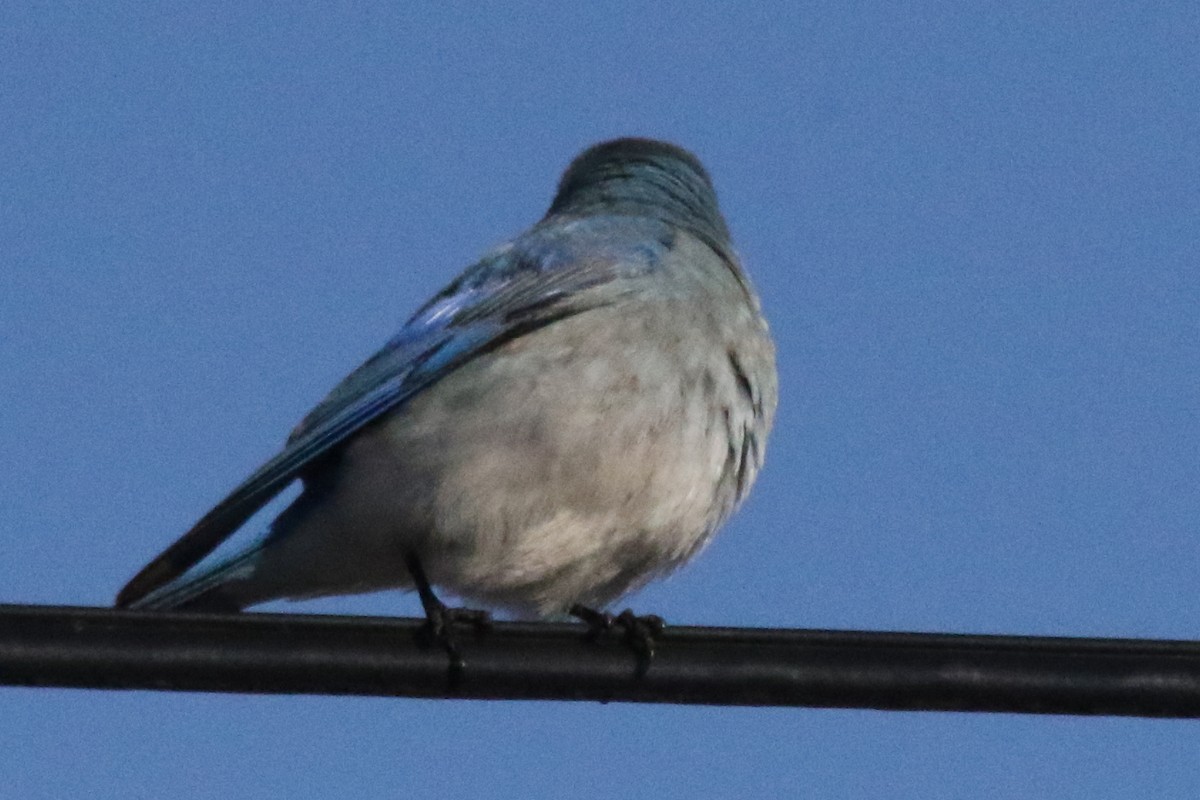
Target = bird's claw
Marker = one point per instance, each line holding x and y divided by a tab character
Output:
439	629
637	631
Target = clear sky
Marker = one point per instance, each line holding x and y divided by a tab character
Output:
974	228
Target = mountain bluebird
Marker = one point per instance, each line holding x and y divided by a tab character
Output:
574	415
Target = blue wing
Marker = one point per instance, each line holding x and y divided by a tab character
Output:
556	270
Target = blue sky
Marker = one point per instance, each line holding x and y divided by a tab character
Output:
974	227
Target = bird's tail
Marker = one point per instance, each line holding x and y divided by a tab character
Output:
221	587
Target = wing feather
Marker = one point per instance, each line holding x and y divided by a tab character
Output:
550	273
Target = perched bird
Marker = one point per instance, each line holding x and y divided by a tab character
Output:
574	415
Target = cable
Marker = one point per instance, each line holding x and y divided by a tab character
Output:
94	648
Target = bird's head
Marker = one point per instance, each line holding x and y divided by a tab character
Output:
642	177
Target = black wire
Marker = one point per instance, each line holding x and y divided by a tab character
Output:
95	648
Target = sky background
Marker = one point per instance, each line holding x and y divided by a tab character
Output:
974	229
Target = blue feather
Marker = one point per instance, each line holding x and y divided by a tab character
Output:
560	268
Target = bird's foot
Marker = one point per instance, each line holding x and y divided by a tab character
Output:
441	620
440	624
637	631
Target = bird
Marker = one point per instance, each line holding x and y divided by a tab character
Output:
574	415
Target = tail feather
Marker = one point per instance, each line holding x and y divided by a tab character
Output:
215	589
